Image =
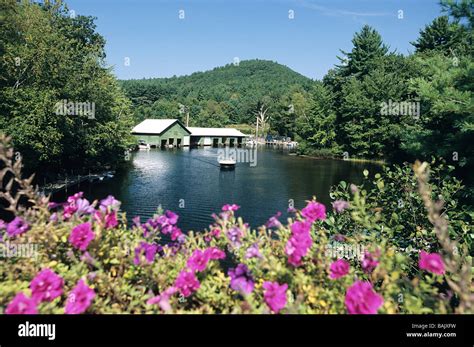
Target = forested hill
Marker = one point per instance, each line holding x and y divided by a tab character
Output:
225	95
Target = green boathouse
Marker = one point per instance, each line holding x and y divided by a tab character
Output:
162	133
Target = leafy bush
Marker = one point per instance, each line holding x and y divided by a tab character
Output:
395	209
347	260
304	149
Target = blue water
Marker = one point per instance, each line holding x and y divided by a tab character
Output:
190	182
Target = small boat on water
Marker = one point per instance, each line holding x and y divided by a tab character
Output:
227	164
292	144
142	145
251	143
106	175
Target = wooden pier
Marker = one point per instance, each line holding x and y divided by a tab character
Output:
70	181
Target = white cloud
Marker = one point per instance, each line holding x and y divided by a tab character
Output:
340	12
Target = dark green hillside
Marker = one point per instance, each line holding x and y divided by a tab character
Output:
225	95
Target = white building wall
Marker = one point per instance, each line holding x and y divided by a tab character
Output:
186	140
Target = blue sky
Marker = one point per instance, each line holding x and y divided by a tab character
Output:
160	44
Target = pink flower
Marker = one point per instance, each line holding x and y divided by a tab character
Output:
253	252
198	260
275	295
79	299
273	222
71	199
339	268
187	283
21	304
166	224
171	217
215	232
76	205
111	220
314	211
362	299
215	253
175	233
87	258
69	211
299	243
235	235
163	300
83	207
148	249
81	235
232	207
431	262
54	217
17	227
241	279
106	218
340	205
370	261
46	286
109	204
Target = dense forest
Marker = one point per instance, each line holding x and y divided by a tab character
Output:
225	95
48	56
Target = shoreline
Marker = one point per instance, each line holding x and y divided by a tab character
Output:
355	160
64	184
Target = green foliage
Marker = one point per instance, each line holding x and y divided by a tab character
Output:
443	36
438	77
460	9
47	57
225	95
368	49
391	199
446	125
364	129
316	126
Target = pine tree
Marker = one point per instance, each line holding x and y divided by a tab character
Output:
316	127
368	48
442	36
463	9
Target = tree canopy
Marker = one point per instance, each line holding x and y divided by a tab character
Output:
50	57
225	95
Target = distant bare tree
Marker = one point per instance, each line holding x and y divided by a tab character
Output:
262	117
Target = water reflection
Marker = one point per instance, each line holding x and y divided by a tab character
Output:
191	183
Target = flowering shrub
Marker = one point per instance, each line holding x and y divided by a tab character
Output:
90	261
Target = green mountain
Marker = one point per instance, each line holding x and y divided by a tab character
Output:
225	95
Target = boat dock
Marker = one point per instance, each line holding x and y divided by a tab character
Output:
70	181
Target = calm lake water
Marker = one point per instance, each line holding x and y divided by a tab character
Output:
190	182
